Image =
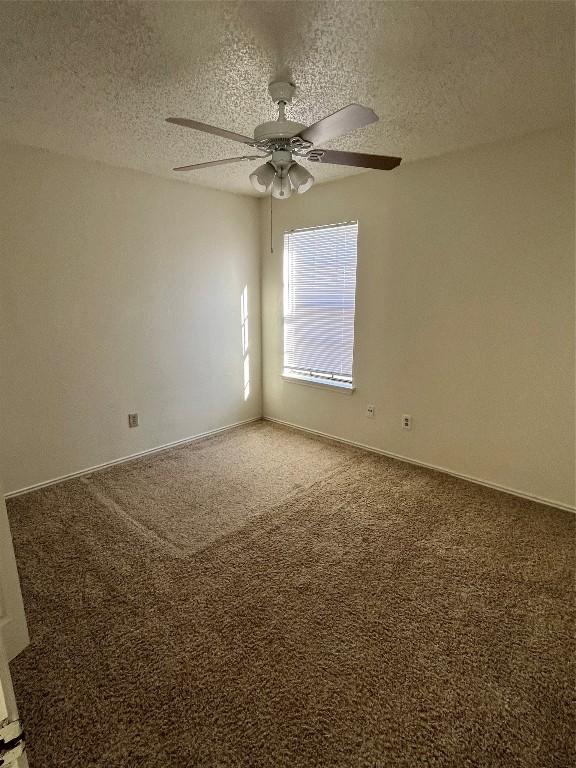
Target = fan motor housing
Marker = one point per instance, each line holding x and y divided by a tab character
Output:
277	129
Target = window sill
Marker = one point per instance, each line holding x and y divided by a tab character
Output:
334	386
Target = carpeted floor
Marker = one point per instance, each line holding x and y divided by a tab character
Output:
264	598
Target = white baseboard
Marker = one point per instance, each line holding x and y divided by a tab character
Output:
123	459
371	448
477	480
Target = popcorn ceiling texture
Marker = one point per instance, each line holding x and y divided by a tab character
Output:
266	599
96	80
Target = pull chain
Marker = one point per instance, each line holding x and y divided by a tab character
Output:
271	229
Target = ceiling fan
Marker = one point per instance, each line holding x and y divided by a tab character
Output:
282	140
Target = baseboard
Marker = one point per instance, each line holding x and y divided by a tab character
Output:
371	448
469	478
132	456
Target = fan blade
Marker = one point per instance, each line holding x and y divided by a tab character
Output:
355	159
209	129
218	162
344	121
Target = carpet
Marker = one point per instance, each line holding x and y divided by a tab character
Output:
267	598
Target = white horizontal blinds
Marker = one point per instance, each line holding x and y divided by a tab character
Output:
319	301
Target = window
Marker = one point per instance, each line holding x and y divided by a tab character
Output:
319	300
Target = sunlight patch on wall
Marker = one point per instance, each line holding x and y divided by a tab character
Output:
245	353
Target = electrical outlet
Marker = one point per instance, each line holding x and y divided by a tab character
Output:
406	421
132	419
369	411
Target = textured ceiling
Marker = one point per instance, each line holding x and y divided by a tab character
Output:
97	79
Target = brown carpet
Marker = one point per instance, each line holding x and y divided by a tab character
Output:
263	598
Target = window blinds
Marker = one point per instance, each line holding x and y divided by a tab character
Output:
319	300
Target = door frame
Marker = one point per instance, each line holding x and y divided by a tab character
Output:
13	629
8	707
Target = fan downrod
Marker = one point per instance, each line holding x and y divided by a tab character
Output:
281	93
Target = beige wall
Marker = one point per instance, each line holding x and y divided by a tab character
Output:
119	292
464	314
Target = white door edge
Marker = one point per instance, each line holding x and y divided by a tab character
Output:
8	708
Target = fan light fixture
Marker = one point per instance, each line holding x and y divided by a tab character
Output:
281	187
263	177
300	178
282	182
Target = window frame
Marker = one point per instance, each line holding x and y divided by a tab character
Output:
331	381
